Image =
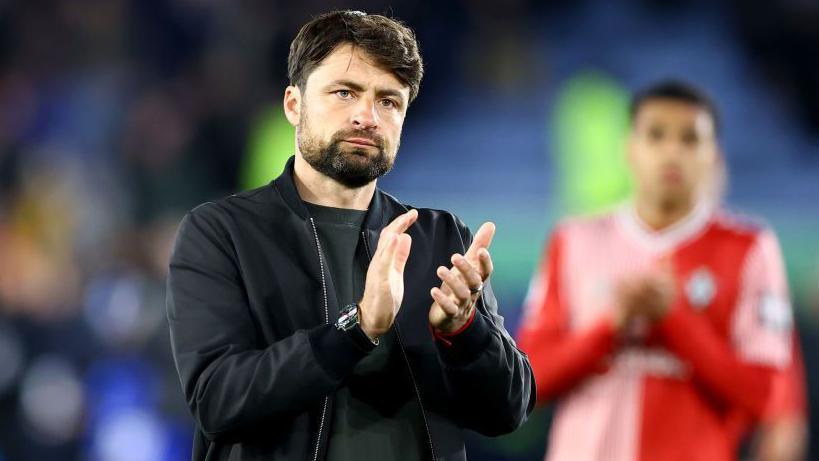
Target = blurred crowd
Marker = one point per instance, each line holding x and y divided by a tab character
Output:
117	116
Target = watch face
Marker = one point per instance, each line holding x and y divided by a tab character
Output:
348	317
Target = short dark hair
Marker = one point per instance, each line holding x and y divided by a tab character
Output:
678	91
391	43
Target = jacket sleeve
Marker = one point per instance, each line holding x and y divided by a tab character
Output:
489	378
231	382
740	372
560	358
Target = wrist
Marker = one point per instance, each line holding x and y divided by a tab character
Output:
365	325
456	326
350	321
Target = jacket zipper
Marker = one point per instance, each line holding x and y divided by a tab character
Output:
326	321
409	367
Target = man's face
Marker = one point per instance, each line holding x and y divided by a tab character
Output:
348	117
672	150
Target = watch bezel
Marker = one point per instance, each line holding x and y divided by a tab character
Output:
348	317
349	321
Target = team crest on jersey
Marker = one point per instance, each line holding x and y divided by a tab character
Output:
701	288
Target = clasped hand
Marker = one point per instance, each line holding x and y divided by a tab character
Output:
453	300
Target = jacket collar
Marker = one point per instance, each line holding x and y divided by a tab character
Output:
377	214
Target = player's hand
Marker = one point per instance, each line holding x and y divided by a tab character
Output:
646	297
384	286
462	283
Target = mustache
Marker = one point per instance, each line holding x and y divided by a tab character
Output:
342	135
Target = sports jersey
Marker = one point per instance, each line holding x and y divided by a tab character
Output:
686	387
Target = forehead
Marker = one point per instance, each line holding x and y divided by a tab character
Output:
347	62
674	112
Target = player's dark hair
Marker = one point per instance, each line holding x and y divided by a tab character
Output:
391	43
678	91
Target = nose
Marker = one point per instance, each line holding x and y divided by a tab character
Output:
672	150
365	115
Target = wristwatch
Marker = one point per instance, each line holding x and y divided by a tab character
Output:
349	322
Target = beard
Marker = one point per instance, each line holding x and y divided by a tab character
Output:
352	167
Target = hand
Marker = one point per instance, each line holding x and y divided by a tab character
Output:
384	286
647	297
460	285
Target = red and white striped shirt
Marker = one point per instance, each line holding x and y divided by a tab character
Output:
685	388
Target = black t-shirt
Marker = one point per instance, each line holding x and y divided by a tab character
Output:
375	413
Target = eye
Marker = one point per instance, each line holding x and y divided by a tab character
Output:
344	94
689	138
655	133
389	103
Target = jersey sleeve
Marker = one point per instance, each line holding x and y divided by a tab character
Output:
740	371
788	398
763	320
560	357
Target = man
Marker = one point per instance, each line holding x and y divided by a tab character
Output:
659	326
320	318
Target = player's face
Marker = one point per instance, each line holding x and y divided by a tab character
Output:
349	117
672	149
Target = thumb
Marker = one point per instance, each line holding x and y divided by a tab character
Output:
482	239
665	266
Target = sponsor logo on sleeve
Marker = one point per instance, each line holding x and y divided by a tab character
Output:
775	312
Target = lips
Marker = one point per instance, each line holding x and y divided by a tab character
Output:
361	141
672	175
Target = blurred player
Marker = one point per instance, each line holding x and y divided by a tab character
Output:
659	326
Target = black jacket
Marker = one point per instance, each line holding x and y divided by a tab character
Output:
251	308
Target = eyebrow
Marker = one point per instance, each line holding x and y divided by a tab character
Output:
358	87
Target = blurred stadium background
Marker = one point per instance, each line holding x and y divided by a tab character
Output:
117	116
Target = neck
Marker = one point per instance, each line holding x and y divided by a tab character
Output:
316	188
659	214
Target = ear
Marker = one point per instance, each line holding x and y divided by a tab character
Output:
292	104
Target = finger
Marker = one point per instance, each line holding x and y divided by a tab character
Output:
437	314
646	292
665	278
626	293
467	271
384	240
625	288
482	239
486	264
665	263
402	222
397	226
660	283
453	283
446	289
384	251
456	284
446	302
666	287
401	252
